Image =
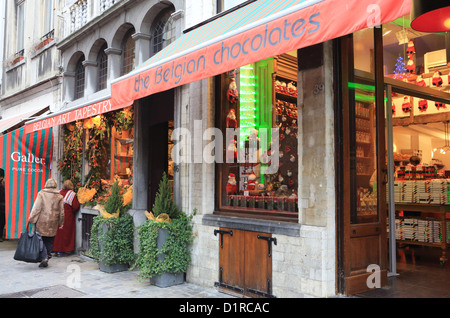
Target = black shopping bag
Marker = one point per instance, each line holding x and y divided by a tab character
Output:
28	248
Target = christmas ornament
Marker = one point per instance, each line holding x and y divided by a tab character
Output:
232	93
440	105
231	185
437	79
231	119
423	105
420	81
411	67
231	151
411	50
406	106
393	109
251	181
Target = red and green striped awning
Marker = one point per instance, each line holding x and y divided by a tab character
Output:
259	30
26	160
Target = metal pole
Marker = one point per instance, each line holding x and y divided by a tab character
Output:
391	171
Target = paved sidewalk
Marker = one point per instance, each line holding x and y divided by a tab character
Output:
79	277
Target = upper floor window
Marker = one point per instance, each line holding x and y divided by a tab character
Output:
102	64
79	79
20	18
159	30
47	8
128	49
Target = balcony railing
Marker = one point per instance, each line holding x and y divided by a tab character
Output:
82	11
106	4
78	15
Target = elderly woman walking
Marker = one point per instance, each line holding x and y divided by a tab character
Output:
47	214
64	243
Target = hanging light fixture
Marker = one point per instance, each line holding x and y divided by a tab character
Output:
446	147
430	15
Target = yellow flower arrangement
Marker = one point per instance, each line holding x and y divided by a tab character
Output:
85	195
128	196
88	123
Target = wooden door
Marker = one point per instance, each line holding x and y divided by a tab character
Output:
362	210
245	262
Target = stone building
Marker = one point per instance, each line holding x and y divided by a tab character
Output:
284	233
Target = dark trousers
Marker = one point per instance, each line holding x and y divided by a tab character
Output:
48	247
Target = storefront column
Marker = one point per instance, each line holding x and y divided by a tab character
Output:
142	47
140	168
114	59
90	68
69	84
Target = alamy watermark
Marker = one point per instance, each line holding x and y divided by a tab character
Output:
241	146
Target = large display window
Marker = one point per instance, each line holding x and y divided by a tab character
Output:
97	152
258	113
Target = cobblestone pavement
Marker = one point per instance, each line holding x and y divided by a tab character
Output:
79	277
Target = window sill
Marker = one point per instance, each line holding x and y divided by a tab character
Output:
43	47
219	219
18	63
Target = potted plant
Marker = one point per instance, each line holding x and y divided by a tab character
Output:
112	234
164	239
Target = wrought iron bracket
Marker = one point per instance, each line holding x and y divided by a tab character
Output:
222	233
269	240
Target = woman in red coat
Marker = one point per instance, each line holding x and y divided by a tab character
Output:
64	243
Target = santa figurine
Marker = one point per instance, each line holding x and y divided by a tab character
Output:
231	119
437	79
423	105
231	151
406	106
411	67
231	185
411	50
232	93
251	181
420	81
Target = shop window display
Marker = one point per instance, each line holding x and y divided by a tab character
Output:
98	151
255	99
420	136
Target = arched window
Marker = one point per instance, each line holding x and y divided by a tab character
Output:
159	30
79	79
102	68
128	49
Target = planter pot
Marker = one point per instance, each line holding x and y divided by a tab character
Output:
112	268
165	279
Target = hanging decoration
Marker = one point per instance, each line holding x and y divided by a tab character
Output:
400	70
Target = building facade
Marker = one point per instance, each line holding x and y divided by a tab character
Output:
314	226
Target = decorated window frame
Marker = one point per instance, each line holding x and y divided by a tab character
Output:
97	152
257	112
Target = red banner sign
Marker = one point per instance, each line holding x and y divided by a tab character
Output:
306	24
73	115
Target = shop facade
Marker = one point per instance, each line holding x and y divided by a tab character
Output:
282	156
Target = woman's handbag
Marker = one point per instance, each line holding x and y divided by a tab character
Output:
29	246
